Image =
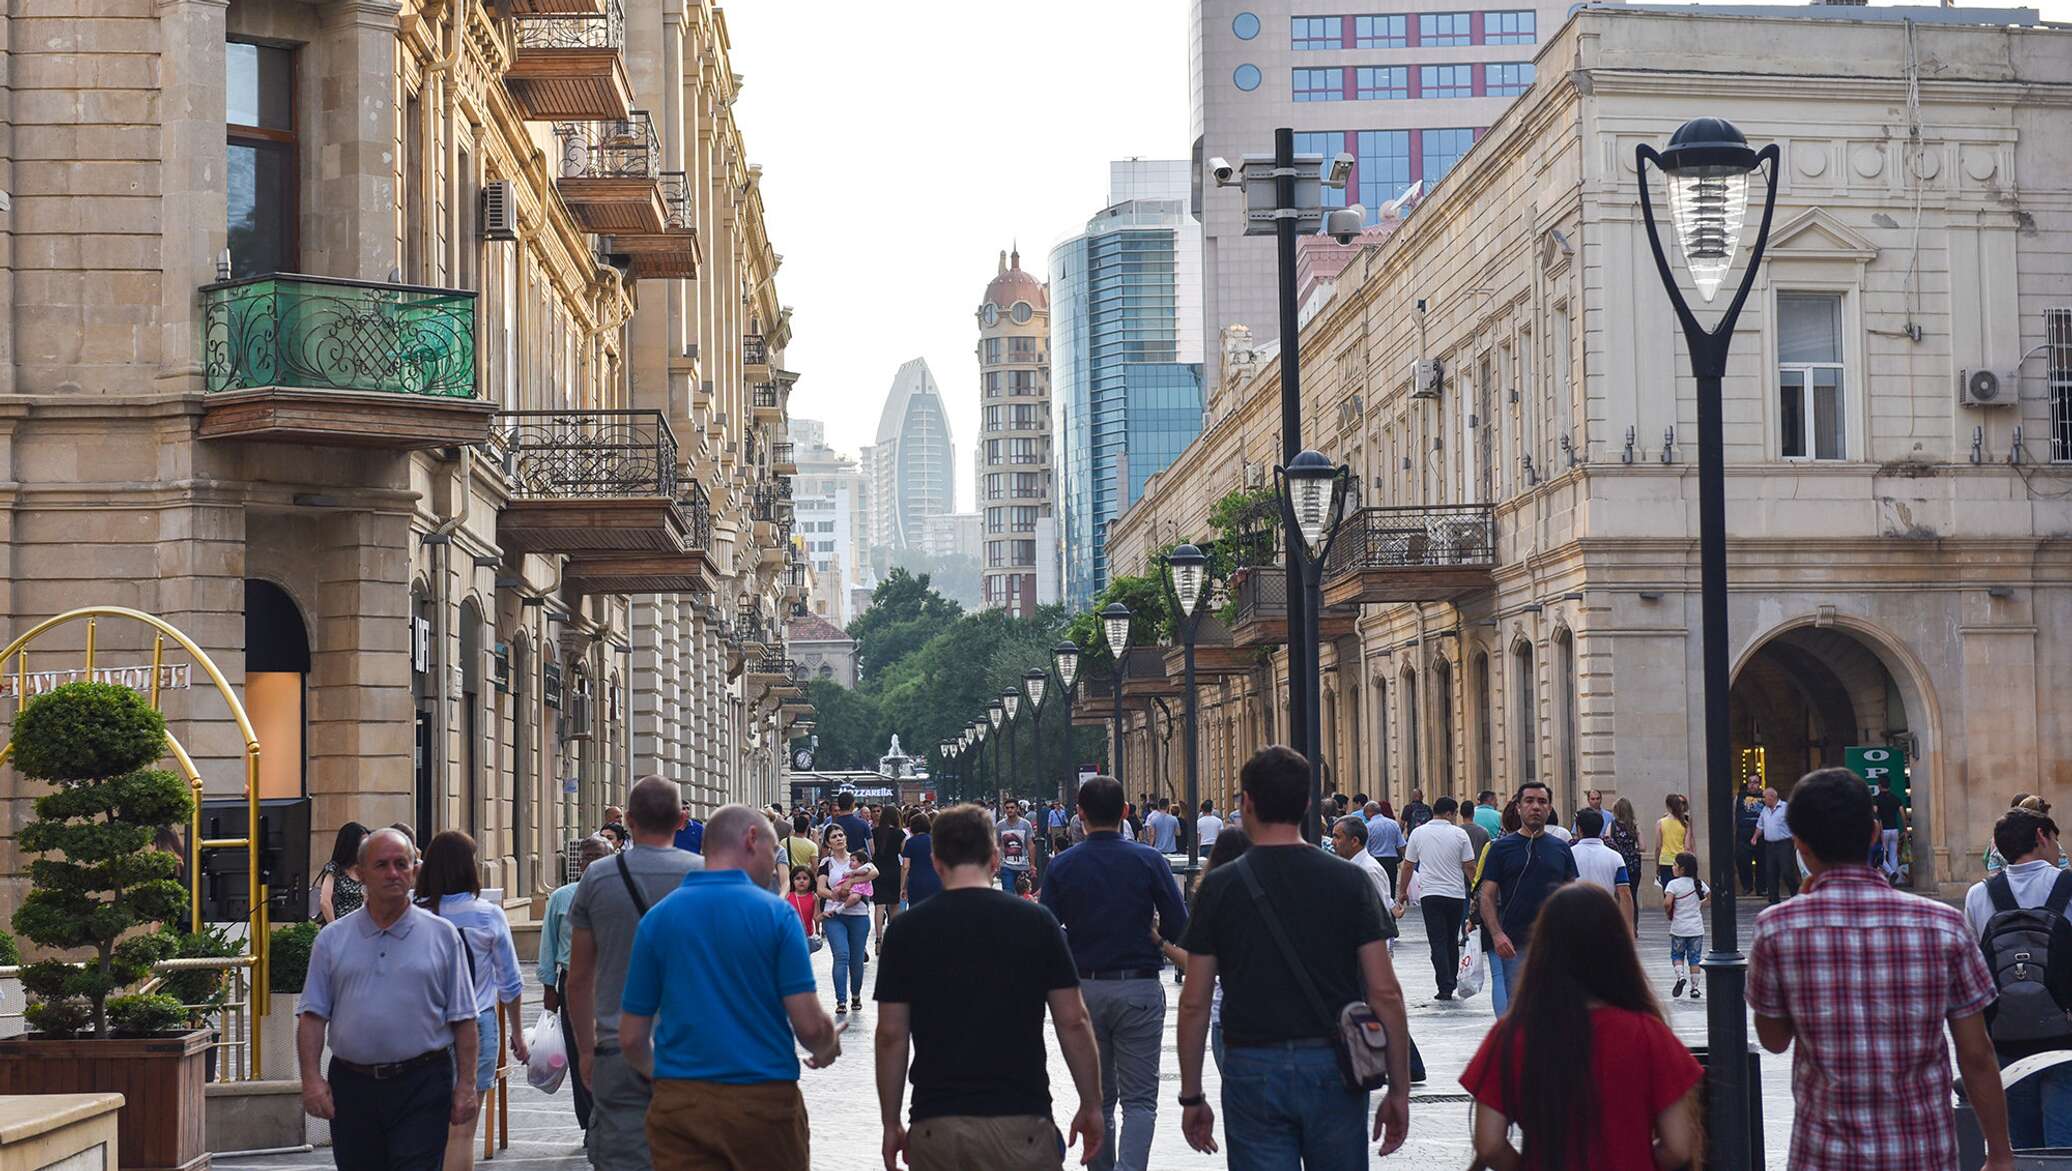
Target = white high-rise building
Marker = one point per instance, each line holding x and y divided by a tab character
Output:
908	471
827	497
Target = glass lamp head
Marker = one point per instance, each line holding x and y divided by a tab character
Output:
1311	483
1707	163
1034	681
1065	656
994	712
1011	702
1190	568
1115	627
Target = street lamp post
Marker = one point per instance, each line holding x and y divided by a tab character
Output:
1295	203
1707	164
1035	682
1115	627
1187	576
978	731
1064	657
1010	706
1312	502
994	714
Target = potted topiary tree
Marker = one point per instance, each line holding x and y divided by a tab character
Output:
100	887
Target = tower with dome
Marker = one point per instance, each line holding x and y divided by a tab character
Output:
1015	481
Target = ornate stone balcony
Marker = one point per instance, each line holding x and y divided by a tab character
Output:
570	64
1431	553
611	175
303	359
766	400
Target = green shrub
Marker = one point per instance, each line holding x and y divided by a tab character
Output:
10	952
101	884
202	990
287	957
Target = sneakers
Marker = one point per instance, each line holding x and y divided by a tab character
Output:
1678	991
1696	993
856	1005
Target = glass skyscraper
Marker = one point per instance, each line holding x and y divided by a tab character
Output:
1126	352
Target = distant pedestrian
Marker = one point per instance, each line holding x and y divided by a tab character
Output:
1017	845
1747	842
1585	1069
845	883
555	938
2021	909
1684	901
388	987
1594	800
1107	892
799	847
846	816
1163	828
1892	823
888	839
610	901
1440	857
1624	836
1349	841
1471	825
1597	863
719	991
338	891
1284	1101
1207	826
917	870
1416	812
965	982
615	833
1673	835
1385	838
1522	869
1779	857
449	885
1860	981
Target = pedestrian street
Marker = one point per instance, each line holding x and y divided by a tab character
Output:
842	1099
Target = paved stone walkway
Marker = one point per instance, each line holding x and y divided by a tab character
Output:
843	1097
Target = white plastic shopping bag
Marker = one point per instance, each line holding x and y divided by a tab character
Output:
549	1060
1474	967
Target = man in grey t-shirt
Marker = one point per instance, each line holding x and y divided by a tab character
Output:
611	897
1013	833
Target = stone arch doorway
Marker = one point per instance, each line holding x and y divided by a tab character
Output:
1805	693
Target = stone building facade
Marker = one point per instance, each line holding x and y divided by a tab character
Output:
1515	590
1013	486
423	361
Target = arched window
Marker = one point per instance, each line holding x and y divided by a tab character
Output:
1485	722
470	723
1442	750
1571	730
1381	736
1413	776
1525	711
522	788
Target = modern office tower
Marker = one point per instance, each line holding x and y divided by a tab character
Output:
828	503
1014	450
907	472
1127	349
1404	91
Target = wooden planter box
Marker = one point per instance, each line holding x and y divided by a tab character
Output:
160	1078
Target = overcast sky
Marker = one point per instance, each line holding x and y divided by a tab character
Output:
904	145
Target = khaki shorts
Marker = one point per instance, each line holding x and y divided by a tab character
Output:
707	1126
960	1142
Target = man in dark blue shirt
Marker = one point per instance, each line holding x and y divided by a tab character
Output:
1105	891
1522	869
859	831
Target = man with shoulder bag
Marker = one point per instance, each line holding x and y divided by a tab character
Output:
2019	916
1299	1069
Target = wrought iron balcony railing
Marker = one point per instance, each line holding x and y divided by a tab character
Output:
322	333
780	453
676	200
1440	536
564	455
697	509
755	349
767	396
1263	593
615	149
588	30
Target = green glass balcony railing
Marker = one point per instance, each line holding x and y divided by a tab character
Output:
320	333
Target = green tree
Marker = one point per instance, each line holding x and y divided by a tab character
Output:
903	614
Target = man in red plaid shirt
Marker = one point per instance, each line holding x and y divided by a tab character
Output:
1863	978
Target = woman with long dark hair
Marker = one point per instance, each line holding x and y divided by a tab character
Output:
448	886
1583	1005
1672	836
338	891
1624	837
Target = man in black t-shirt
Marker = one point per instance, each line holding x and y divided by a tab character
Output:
1891	823
1280	1074
966	976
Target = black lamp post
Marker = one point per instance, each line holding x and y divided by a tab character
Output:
1036	683
1187	579
1312	503
978	738
1010	707
994	714
1115	627
1064	658
942	753
1707	164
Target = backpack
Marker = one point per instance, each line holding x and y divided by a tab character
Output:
2029	952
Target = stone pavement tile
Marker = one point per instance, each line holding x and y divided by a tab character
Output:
842	1099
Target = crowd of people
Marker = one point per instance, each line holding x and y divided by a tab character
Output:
679	961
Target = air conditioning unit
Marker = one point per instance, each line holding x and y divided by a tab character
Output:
576	722
1986	388
499	211
1426	377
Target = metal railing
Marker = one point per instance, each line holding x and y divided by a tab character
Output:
780	453
755	349
582	30
1422	537
567	455
321	333
676	202
767	396
1262	593
697	510
613	149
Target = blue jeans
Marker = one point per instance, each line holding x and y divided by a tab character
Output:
1503	978
1007	877
487	1048
847	936
1285	1107
2039	1109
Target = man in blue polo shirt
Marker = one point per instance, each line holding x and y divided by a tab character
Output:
720	983
1522	869
1107	892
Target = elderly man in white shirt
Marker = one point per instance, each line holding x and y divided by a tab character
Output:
1349	841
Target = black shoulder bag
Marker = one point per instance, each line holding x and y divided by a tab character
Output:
1357	1036
640	903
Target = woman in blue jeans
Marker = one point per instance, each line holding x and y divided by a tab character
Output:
845	882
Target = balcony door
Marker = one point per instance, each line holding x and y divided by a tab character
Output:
260	171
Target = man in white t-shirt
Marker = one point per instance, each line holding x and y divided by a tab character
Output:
1208	825
1599	864
1443	860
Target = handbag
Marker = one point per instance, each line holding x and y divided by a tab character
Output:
1358	1039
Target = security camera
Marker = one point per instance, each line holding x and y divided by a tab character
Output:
1341	170
1223	172
1344	224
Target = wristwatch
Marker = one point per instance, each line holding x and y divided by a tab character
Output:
1189	1100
